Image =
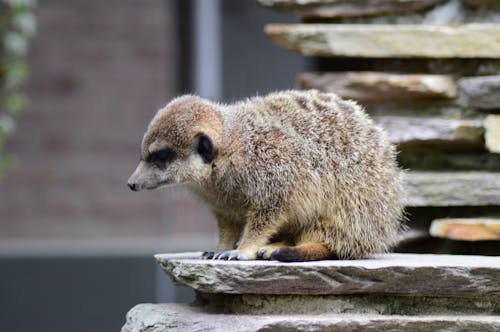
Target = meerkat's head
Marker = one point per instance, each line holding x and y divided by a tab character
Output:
180	145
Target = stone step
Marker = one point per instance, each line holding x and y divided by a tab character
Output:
381	41
414	132
492	136
453	189
182	317
389	274
466	229
348	8
370	87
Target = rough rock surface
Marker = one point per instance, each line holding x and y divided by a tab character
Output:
466	229
492	136
413	132
453	188
392	274
178	317
481	92
347	8
463	41
378	86
259	304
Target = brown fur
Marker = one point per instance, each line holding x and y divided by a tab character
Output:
301	172
309	251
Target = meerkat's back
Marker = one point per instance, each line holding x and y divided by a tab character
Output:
318	124
323	161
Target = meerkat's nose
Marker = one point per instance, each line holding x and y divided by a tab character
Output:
132	186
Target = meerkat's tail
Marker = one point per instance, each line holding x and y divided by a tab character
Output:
308	251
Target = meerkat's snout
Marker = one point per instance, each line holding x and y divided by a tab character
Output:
163	166
135	182
132	186
132	183
151	173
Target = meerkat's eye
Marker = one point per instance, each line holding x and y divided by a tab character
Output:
161	157
205	148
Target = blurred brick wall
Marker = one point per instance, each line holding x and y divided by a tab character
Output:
99	71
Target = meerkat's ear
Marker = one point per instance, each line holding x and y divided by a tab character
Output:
205	148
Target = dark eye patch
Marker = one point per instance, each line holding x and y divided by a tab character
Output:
205	148
161	157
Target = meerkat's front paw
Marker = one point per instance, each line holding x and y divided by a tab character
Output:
234	255
207	255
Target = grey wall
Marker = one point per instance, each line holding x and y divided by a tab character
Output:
251	64
72	294
91	97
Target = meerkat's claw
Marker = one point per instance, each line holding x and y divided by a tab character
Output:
207	255
218	255
260	253
267	251
232	255
222	255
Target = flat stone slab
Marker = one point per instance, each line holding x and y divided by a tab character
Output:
381	87
492	135
453	188
348	8
181	317
417	132
466	229
482	92
390	274
382	41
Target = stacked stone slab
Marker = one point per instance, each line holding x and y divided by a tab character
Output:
394	292
429	72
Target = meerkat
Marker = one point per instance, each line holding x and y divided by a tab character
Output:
291	176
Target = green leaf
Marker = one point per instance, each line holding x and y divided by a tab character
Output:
17	25
17	73
25	23
14	103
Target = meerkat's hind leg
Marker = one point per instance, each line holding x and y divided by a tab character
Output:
306	251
